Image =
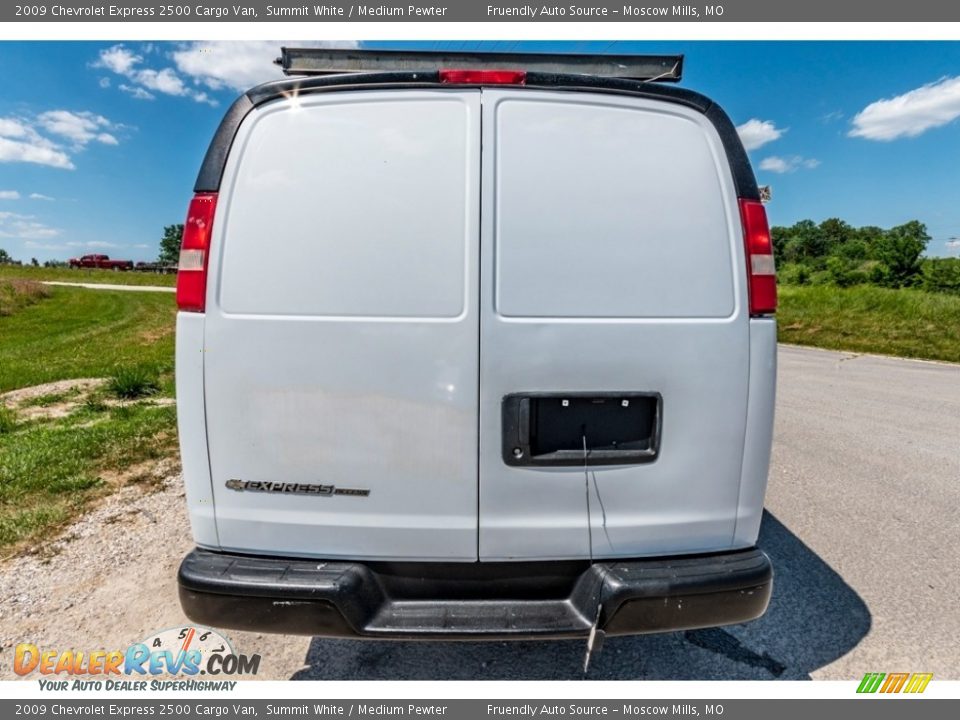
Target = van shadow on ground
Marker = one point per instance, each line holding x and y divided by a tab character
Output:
814	618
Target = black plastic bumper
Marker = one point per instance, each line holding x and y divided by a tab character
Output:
473	600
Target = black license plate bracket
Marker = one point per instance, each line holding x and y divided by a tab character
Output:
549	428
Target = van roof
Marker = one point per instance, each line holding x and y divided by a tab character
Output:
211	171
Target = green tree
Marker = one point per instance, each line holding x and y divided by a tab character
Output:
900	249
5	257
800	242
170	244
834	234
870	236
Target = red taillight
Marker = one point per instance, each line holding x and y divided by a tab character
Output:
483	77
194	251
761	272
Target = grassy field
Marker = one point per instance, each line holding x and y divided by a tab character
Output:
909	323
62	448
101	277
85	333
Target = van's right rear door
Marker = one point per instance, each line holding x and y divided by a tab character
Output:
612	263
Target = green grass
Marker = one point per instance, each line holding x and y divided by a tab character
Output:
86	333
51	471
50	399
8	420
909	323
108	277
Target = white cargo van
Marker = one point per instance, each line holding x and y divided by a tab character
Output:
475	346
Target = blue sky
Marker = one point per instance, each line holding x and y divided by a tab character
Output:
100	141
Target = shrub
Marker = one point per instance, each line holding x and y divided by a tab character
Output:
793	274
941	275
821	277
132	382
94	404
845	273
880	275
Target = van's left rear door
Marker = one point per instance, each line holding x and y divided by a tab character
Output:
342	332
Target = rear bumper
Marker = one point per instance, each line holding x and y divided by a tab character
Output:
473	600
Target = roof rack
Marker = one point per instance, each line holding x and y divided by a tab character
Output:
332	61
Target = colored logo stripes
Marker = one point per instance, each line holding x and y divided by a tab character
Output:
894	682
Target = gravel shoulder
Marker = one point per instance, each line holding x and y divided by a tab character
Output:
110	580
111	286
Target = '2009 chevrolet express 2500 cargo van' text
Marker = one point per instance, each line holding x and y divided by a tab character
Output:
475	347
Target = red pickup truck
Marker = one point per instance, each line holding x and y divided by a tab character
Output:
100	261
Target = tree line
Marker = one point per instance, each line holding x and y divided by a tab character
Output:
836	253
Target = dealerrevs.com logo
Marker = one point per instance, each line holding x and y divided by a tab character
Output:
184	652
894	682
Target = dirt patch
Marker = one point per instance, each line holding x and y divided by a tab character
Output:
76	393
109	580
146	474
81	386
151	336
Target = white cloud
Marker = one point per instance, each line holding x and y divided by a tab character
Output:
39	151
778	164
72	246
775	164
163	81
137	92
11	128
104	82
9	195
40	196
953	244
21	139
78	127
125	62
236	64
910	114
43	246
756	133
25	227
118	59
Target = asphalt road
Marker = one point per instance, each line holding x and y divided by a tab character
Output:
862	525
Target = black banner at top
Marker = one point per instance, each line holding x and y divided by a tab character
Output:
637	11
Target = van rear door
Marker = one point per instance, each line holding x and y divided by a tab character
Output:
341	337
613	312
